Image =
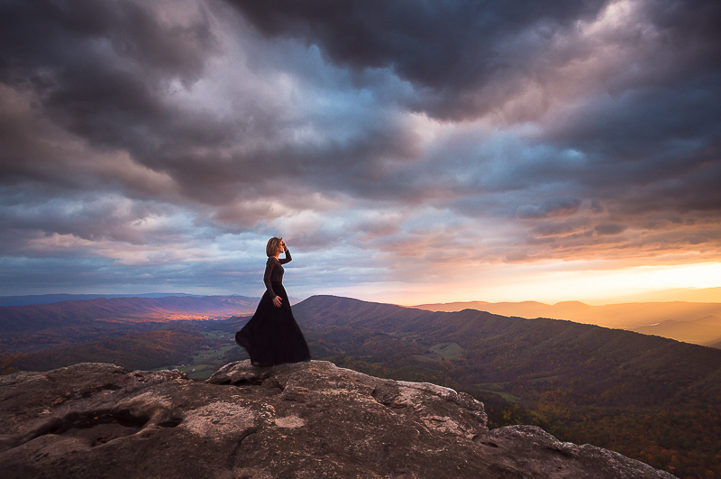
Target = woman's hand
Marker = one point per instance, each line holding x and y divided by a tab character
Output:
282	245
278	301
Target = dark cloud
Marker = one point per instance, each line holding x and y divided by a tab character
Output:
559	206
100	68
555	229
653	118
175	135
105	71
610	229
452	48
45	40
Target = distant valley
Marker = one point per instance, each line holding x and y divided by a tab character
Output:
39	327
133	332
125	309
696	323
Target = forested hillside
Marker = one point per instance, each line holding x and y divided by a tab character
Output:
651	398
143	351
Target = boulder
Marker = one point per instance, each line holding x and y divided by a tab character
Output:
305	420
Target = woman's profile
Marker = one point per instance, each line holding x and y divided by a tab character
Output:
272	336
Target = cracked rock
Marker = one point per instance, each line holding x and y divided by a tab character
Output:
306	420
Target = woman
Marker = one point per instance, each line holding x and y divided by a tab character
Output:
272	336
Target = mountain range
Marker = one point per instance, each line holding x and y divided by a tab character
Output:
694	295
31	317
38	327
691	322
648	397
28	299
484	348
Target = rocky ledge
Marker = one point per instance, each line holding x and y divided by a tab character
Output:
308	420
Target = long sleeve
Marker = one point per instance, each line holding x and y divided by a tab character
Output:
274	272
287	258
269	267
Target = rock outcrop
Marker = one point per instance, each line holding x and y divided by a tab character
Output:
308	420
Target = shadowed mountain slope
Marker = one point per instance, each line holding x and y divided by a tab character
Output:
645	396
500	349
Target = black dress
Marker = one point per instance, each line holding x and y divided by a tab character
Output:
272	336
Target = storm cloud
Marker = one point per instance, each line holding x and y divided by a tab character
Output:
160	144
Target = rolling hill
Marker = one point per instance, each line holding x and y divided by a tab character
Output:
498	349
38	327
648	397
144	351
33	317
697	323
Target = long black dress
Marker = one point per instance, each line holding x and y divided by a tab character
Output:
272	336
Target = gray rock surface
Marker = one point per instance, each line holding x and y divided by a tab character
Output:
307	420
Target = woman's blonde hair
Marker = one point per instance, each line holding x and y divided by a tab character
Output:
272	247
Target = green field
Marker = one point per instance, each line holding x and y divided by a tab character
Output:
424	359
445	351
497	388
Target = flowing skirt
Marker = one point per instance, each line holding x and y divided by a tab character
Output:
272	336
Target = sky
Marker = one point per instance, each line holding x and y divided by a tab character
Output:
408	151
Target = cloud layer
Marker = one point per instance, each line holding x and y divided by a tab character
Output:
390	142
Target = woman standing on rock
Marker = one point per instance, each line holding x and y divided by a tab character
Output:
272	336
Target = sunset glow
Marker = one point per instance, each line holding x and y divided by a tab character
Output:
461	151
551	282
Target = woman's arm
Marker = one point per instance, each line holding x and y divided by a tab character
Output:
272	261
287	258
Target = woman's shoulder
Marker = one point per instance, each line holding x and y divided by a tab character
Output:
272	259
